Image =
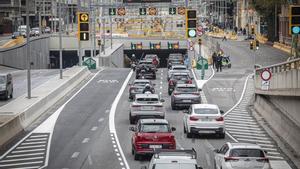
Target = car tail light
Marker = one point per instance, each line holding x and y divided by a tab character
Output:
263	160
230	159
171	83
131	88
175	93
196	94
220	118
158	107
135	107
189	81
193	118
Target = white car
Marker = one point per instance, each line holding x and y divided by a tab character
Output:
173	159
177	69
146	106
204	119
241	156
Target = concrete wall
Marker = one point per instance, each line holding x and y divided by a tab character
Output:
112	58
283	116
16	56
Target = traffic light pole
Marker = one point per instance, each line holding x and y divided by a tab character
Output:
202	63
28	52
60	42
79	42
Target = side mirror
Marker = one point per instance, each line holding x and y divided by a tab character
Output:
222	112
144	167
185	111
266	151
173	128
216	150
162	100
132	129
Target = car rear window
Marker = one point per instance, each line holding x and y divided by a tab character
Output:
246	153
186	89
147	100
141	83
179	68
181	77
174	166
206	111
155	128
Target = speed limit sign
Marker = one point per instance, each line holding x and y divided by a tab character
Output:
266	75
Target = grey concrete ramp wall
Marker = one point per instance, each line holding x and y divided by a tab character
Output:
16	56
283	115
113	57
21	112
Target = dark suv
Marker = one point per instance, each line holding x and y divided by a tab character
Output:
178	78
145	70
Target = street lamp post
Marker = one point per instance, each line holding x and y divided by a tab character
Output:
28	52
60	42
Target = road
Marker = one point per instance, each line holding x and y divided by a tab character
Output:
81	135
38	77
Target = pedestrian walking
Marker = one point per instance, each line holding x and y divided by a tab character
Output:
224	38
219	63
244	31
214	59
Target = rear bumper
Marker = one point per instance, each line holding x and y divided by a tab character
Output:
219	130
184	103
149	151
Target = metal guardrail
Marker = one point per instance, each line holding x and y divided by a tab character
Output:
281	67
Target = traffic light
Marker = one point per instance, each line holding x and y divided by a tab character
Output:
133	46
83	26
191	23
170	46
251	45
99	42
252	30
155	45
257	44
173	45
294	17
200	41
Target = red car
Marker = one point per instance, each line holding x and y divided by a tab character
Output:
151	134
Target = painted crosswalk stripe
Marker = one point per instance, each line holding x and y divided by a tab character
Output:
21	159
18	164
245	130
254	140
253	137
26	147
32	143
25	155
241	127
232	118
241	122
248	134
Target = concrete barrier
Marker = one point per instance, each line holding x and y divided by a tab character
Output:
21	112
286	125
113	57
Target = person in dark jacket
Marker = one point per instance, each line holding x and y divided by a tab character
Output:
214	60
147	89
219	62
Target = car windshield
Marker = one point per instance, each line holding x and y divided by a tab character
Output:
155	128
147	100
174	166
180	77
145	62
2	80
246	153
149	57
186	89
141	83
206	111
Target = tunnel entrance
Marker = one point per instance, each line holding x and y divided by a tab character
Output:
70	58
163	54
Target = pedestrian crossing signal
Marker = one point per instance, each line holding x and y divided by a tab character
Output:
200	41
252	30
251	45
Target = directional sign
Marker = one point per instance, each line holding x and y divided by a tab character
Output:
152	11
83	17
265	75
181	10
121	11
265	85
112	11
143	11
84	36
295	29
172	11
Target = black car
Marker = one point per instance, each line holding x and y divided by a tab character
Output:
178	78
175	59
146	71
15	35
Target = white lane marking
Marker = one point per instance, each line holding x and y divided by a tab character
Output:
112	127
242	95
179	145
242	125
161	78
32	143
160	87
35	139
85	140
25	147
75	154
232	138
24	155
28	163
33	167
100	120
90	160
207	159
247	134
248	131
161	82
265	145
94	128
241	122
25	151
107	111
38	136
22	159
160	93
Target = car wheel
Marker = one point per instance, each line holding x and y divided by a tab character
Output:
154	77
189	135
173	106
184	130
136	156
222	135
6	96
132	150
229	66
11	95
169	92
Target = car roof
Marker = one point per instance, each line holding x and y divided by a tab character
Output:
158	121
186	85
146	96
244	145
210	106
184	66
175	54
180	73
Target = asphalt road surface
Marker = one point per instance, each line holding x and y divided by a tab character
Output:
38	77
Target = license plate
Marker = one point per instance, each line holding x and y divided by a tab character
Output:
155	146
147	108
205	119
187	101
206	132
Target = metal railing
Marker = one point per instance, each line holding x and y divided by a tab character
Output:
281	67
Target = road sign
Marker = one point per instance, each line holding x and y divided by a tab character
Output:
265	85
112	11
90	63
172	11
294	19
121	11
83	17
152	11
295	29
83	26
181	10
265	75
84	36
143	11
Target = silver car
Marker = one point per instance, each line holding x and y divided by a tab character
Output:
137	87
184	95
241	156
146	106
204	119
177	69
